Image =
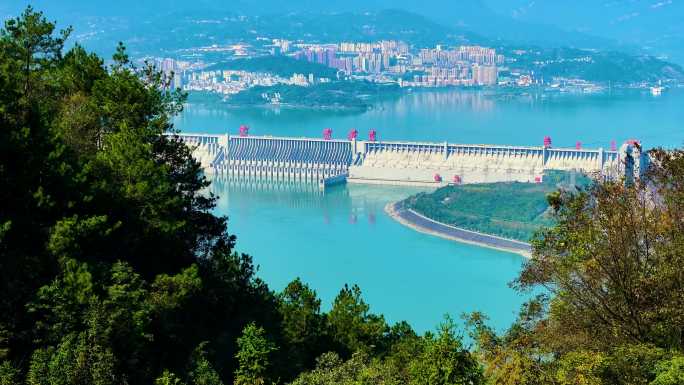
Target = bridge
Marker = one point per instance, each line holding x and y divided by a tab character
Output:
326	161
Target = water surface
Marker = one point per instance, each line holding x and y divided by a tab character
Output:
344	236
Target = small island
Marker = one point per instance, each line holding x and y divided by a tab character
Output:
338	95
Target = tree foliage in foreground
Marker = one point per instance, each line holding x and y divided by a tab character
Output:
611	268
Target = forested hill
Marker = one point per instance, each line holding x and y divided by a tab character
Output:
114	270
284	66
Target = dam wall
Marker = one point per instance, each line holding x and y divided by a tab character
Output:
434	163
327	161
314	160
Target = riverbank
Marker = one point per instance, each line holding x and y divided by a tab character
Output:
420	223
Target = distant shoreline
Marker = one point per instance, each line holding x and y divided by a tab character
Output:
422	224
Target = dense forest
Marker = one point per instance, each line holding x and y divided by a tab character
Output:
114	270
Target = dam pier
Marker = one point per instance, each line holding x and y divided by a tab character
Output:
326	161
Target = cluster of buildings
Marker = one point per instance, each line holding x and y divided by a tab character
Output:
427	67
382	61
174	69
193	76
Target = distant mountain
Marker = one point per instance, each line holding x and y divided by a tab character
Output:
367	26
656	26
628	25
474	15
163	33
617	68
598	28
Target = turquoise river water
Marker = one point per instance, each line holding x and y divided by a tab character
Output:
344	236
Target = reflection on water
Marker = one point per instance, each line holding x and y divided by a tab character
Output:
435	101
356	201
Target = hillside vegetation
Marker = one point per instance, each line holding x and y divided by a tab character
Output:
512	210
337	95
284	66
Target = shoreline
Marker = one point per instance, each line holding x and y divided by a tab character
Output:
422	224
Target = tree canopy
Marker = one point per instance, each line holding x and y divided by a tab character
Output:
611	271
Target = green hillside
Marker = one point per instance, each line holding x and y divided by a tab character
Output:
278	65
512	210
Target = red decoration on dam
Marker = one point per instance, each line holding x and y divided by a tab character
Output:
244	130
457	179
547	141
327	134
578	145
372	136
438	178
353	134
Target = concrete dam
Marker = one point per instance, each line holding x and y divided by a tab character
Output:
326	161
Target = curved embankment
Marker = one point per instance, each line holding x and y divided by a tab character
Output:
423	224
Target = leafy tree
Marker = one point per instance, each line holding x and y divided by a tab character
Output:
359	369
518	356
331	369
580	368
102	211
670	372
79	358
445	361
9	375
612	263
610	266
402	346
31	168
59	305
303	326
168	378
632	364
202	372
253	356
232	297
351	323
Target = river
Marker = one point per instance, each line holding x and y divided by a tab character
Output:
344	236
